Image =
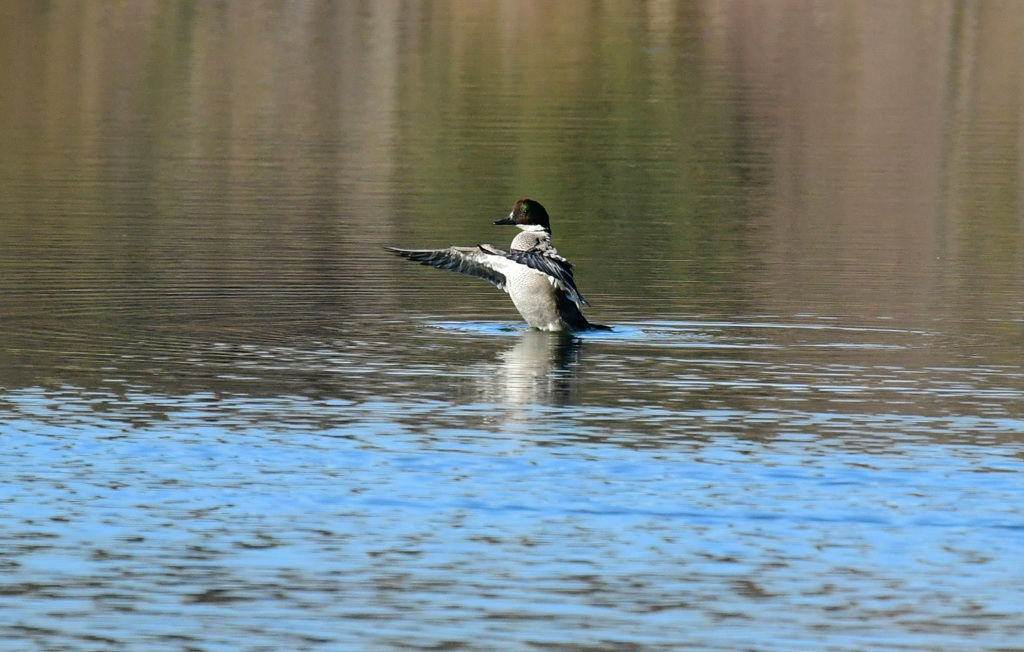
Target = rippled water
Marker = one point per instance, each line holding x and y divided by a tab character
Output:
477	484
231	421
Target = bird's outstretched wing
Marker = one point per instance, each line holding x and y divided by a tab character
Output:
481	261
557	269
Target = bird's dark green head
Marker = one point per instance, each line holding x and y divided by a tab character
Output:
528	213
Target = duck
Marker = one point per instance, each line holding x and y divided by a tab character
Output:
538	280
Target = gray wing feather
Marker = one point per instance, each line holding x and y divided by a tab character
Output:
472	261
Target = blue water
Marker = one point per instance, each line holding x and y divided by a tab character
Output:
135	520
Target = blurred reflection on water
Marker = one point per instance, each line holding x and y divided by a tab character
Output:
230	421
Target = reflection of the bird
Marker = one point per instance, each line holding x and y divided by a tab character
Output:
540	368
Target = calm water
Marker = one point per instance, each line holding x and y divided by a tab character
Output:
229	421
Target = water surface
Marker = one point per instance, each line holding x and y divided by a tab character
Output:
231	421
